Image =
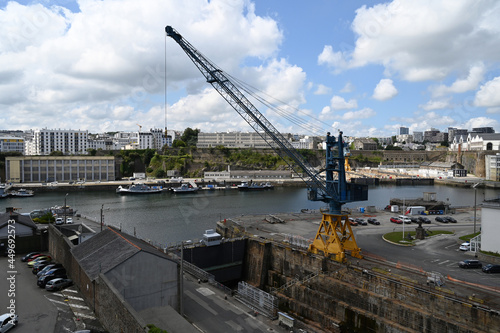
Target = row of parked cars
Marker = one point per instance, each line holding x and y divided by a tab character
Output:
51	276
474	263
445	219
409	219
360	221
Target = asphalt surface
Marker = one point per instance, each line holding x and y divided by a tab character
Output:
39	310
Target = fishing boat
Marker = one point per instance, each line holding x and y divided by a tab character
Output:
245	186
138	189
185	188
22	193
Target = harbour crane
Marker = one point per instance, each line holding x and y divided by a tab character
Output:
334	236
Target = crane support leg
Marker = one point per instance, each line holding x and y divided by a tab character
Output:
334	238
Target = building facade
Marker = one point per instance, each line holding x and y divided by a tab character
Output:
232	140
492	167
11	144
46	141
40	169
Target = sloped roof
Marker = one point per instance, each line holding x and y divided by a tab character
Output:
21	219
108	249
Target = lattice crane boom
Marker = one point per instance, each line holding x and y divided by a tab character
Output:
332	190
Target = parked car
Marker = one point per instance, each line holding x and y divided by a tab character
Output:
424	219
51	275
361	221
464	246
470	263
405	219
58	284
29	255
373	221
59	221
490	268
38	260
39	266
69	220
414	219
34	256
48	268
441	219
397	220
352	221
450	219
7	322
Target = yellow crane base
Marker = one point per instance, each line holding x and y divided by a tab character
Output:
334	238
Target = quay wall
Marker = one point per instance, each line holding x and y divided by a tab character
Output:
341	297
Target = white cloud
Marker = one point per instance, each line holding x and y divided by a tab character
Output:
476	74
423	40
480	122
361	114
110	58
385	90
489	94
349	87
332	59
322	90
436	105
339	103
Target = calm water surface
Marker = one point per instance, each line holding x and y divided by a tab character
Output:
168	218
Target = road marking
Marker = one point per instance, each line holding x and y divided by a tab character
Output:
71	290
444	262
58	302
72	305
83	315
205	291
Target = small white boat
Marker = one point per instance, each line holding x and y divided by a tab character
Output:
184	188
138	189
22	193
245	186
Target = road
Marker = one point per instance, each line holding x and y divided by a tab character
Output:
39	310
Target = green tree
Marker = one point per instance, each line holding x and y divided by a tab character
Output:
56	153
178	143
190	136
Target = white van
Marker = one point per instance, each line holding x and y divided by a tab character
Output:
405	219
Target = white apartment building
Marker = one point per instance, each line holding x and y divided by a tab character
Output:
11	144
46	141
492	167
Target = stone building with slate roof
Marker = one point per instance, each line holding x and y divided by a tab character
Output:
144	276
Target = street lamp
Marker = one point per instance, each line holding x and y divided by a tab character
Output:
475	203
65	207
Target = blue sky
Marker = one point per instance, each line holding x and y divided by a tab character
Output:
364	67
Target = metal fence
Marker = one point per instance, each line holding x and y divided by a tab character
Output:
258	300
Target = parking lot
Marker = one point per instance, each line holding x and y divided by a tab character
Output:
39	310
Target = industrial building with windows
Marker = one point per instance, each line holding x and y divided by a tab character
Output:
40	169
11	144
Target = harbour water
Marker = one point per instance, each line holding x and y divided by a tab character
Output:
167	218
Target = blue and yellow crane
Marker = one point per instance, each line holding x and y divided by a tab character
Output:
334	237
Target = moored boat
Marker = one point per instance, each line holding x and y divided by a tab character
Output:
185	188
245	186
138	189
22	193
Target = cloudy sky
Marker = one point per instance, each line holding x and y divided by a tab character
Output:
364	67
